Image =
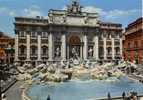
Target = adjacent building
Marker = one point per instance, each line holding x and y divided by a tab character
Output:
6	48
133	42
67	34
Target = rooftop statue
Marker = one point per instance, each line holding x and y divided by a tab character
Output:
74	7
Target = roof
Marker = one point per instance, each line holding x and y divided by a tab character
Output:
139	20
110	23
2	34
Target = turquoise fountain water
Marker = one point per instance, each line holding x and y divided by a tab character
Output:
84	90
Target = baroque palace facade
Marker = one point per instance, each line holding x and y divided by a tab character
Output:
67	34
133	42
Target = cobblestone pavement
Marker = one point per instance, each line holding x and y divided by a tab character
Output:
14	92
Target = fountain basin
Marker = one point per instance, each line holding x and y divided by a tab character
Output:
84	90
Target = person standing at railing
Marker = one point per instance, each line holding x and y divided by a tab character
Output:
48	97
124	95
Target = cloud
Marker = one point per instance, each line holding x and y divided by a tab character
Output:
112	14
12	13
64	8
3	9
32	11
7	11
92	9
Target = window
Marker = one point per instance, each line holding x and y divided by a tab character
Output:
129	45
44	50
33	50
22	50
142	43
22	34
136	44
117	50
57	38
33	34
117	35
108	36
109	50
101	52
44	34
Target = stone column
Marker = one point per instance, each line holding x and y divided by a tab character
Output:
113	48
63	47
96	48
121	47
50	38
68	52
85	47
81	52
39	47
16	48
104	46
28	47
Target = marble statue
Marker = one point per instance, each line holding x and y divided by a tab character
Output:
74	53
57	53
90	52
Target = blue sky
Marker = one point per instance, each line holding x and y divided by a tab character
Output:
119	11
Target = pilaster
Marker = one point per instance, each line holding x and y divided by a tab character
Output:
16	48
96	48
85	48
113	48
121	47
39	47
104	46
50	38
63	47
28	46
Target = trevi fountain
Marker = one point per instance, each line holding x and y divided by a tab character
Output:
74	80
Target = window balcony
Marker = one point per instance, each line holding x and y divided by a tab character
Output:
44	56
117	43
91	43
22	40
33	55
33	40
109	55
22	55
22	37
117	55
44	40
101	55
33	37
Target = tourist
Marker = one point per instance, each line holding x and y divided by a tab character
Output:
133	95
109	96
48	97
123	95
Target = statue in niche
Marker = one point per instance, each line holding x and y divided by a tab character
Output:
57	52
90	52
74	53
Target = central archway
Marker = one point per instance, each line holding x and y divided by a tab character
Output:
74	46
74	40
